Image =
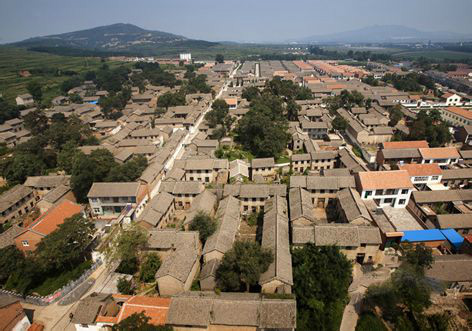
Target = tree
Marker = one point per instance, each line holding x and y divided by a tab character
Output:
126	244
250	93
219	58
7	111
412	290
204	224
10	259
125	286
339	123
292	110
263	130
395	115
321	277
370	322
23	165
67	156
419	256
217	114
36	122
34	88
65	247
242	266
139	322
128	171
149	268
88	169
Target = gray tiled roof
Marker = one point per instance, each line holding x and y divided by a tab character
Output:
228	224
202	309
352	205
275	236
13	195
156	208
99	190
263	163
451	268
204	202
46	181
179	263
301	204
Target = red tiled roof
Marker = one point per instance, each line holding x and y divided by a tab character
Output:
382	180
468	237
405	144
36	327
429	169
439	153
10	315
155	308
461	112
49	221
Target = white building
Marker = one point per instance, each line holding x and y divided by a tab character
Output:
185	57
386	188
452	99
423	174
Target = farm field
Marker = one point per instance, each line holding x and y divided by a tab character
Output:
50	70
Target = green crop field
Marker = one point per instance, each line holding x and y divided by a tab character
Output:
13	60
434	54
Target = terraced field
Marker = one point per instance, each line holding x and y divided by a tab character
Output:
55	69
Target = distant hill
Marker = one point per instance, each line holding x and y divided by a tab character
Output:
120	37
385	34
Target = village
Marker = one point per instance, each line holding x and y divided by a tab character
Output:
268	156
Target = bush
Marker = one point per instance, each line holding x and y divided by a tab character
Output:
125	286
150	267
128	266
370	322
51	284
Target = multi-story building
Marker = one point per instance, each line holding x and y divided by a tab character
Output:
264	167
109	199
457	116
423	174
204	170
386	188
16	202
440	155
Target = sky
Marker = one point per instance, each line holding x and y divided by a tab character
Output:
241	20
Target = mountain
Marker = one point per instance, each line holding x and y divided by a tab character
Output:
118	37
385	34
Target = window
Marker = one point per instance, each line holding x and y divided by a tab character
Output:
421	178
434	177
368	194
401	201
25	243
363	245
378	192
391	191
388	200
96	210
405	191
94	200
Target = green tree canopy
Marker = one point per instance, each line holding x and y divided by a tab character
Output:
204	224
219	58
217	114
35	89
321	278
242	266
263	130
127	244
65	247
149	267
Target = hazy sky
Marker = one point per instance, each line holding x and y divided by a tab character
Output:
240	20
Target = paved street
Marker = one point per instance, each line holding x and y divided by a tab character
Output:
361	281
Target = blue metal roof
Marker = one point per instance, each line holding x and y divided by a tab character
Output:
93	102
423	235
454	238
